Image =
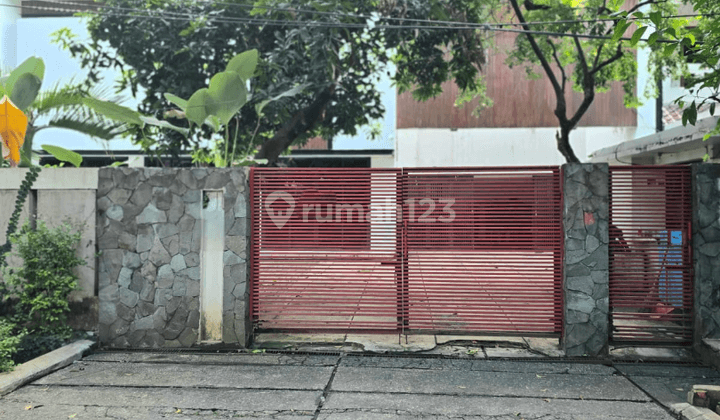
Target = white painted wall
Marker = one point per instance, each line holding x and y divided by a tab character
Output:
63	194
498	146
382	161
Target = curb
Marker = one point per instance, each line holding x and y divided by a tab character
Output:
43	365
690	412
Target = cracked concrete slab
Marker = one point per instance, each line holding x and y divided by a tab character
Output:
377	405
478	365
219	359
148	374
196	386
10	410
124	413
183	398
407	363
486	383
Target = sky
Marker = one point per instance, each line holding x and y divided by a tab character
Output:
34	39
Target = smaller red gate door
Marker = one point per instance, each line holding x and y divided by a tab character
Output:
651	291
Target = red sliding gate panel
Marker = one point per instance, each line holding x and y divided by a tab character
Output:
483	250
415	250
651	291
325	249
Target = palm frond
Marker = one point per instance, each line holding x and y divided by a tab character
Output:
99	129
57	98
63	106
70	96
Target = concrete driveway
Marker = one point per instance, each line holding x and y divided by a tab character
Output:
123	385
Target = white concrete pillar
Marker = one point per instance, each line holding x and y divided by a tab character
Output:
211	266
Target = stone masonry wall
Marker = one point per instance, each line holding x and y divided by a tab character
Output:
149	239
586	284
706	250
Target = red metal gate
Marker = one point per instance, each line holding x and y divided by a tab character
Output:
325	249
483	250
651	291
415	250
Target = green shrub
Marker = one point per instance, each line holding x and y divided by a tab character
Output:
9	341
44	282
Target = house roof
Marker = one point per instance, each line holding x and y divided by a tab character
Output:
672	113
685	142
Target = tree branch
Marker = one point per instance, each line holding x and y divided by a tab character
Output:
597	56
644	3
581	56
618	54
557	61
588	85
560	105
300	123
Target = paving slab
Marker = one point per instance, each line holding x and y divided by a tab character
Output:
482	365
542	368
10	410
377	405
407	363
153	375
122	413
183	398
196	386
456	382
217	359
21	411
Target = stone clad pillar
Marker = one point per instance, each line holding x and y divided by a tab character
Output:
585	273
706	250
150	239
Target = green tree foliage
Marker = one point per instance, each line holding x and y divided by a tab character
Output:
338	65
581	49
705	90
676	38
332	51
329	53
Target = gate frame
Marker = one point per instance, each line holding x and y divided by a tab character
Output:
401	259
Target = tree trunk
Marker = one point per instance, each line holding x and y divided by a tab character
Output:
300	123
563	144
